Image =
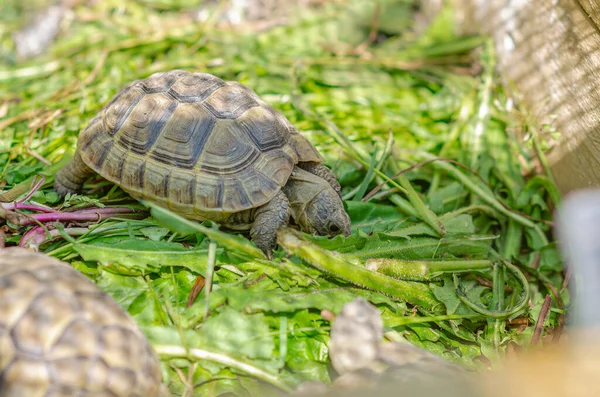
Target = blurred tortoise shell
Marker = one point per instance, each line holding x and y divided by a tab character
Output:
60	335
367	366
194	143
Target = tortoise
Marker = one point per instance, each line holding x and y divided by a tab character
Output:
61	335
368	366
209	149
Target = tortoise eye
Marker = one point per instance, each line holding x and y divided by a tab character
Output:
334	228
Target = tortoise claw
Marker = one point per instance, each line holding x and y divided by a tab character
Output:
268	219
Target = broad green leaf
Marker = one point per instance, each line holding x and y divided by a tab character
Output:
237	333
449	349
384	246
163	335
370	217
155	233
281	302
134	257
285	273
447	198
183	226
551	258
460	225
307	357
123	289
447	295
424	332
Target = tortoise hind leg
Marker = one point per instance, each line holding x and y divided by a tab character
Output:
322	172
267	219
71	177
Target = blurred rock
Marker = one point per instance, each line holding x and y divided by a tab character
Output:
368	366
35	38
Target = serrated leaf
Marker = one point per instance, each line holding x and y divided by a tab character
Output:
136	256
281	302
183	226
424	332
475	291
385	246
447	294
370	217
460	225
446	198
284	272
154	233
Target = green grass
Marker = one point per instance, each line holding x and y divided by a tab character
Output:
429	154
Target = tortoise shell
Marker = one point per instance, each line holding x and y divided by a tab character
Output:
60	335
194	143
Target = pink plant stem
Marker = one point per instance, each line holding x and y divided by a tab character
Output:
28	207
95	214
37	236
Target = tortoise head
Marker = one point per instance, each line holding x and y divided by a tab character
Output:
325	215
316	207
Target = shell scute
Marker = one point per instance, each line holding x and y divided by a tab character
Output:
263	128
209	192
117	111
146	122
184	136
182	192
58	339
195	87
230	102
227	151
161	81
50	311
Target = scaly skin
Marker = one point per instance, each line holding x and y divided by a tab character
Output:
71	177
322	172
316	207
269	218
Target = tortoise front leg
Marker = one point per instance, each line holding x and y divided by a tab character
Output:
71	177
267	219
323	172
